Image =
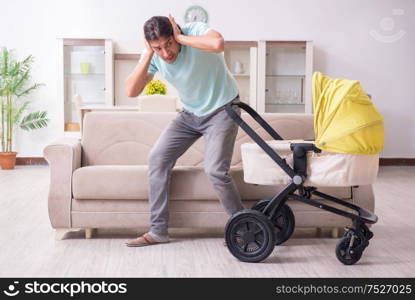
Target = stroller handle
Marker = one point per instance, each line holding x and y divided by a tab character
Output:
254	115
274	155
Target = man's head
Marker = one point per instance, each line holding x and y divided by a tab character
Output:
158	32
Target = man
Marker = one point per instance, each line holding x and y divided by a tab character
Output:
190	58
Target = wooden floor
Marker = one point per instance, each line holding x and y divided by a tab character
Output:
28	247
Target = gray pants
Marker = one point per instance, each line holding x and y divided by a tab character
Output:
219	132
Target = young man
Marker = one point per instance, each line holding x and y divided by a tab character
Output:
190	58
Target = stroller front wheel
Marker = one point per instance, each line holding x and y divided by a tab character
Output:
250	236
347	250
366	232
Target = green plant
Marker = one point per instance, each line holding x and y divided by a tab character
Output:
156	86
14	86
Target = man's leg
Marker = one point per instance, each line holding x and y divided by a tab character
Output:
219	134
172	143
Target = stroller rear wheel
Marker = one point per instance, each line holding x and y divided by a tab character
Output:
284	221
250	236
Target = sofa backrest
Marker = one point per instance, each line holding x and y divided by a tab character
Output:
126	138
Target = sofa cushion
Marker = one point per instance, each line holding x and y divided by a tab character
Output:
131	182
187	183
126	138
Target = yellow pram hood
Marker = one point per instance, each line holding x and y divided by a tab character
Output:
345	119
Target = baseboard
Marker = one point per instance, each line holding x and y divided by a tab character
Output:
31	161
397	161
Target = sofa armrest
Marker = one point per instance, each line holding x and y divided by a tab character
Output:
63	156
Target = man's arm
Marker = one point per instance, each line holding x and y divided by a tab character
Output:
139	78
212	41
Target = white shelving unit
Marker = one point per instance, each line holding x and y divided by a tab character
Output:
85	67
274	76
284	76
241	59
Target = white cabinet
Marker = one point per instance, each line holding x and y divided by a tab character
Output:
284	76
241	59
85	68
272	76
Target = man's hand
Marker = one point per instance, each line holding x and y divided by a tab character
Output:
139	78
212	41
148	47
176	30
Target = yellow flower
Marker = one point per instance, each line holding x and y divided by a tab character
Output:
156	86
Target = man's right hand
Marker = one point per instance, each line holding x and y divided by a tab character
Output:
148	47
138	79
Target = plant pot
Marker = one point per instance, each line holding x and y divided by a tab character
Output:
8	160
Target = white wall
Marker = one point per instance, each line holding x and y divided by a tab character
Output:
341	31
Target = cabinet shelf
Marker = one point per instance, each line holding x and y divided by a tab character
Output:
283	103
84	74
240	75
90	75
290	76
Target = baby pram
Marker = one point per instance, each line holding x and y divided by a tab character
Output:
348	137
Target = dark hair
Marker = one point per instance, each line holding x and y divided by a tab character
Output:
157	27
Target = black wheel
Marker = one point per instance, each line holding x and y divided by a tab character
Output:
250	236
284	221
345	252
366	232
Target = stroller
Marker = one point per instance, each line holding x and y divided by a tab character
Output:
348	135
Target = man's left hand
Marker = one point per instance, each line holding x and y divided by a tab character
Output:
176	31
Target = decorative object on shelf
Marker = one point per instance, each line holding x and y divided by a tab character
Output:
85	68
14	85
296	97
238	68
156	86
195	13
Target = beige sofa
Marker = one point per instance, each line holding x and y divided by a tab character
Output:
100	181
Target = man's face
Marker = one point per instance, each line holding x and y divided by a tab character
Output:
167	48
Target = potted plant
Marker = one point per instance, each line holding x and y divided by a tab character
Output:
156	87
14	86
156	99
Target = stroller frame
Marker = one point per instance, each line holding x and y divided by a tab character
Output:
245	245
